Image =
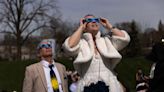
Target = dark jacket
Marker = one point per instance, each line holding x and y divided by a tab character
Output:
157	55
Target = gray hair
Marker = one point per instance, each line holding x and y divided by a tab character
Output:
52	42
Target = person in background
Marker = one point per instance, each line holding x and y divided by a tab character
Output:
96	55
142	81
46	75
157	56
75	78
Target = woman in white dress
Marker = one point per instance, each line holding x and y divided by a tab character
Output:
95	55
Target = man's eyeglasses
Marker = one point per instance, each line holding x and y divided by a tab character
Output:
91	20
45	46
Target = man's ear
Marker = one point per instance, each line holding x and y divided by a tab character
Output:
39	54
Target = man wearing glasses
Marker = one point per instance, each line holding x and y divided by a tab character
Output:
46	75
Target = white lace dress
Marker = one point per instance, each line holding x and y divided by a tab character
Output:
97	71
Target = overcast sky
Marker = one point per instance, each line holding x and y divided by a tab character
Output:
146	12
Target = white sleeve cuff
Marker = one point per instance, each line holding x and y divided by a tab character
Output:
125	38
120	42
69	50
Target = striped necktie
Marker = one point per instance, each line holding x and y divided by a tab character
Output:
54	81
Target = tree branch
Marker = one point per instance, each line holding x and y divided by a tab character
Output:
11	9
27	36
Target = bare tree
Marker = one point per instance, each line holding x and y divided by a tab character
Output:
58	30
21	18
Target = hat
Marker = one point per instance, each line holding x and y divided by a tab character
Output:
157	52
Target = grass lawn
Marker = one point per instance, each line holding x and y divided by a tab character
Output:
127	68
12	73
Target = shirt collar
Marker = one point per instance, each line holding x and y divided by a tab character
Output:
46	64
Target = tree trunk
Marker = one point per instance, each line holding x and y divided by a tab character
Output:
19	47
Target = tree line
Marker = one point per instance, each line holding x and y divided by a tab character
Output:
25	22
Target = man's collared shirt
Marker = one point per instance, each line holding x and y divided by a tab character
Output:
48	77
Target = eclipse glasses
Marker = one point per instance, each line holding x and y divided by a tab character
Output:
45	46
88	20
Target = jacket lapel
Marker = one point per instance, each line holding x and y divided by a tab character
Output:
60	73
42	75
59	68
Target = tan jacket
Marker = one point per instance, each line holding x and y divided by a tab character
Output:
35	80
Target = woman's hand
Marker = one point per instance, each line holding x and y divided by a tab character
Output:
75	37
82	24
108	25
105	23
